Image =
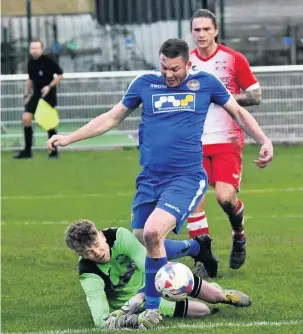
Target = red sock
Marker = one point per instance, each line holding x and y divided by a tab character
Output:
197	224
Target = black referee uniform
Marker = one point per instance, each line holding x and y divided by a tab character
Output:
41	72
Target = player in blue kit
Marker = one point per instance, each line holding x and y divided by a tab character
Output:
172	181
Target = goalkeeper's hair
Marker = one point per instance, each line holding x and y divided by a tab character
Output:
175	47
81	234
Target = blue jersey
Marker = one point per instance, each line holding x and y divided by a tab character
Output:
173	119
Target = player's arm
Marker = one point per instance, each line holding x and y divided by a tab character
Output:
93	286
99	125
59	74
245	120
56	80
249	98
105	122
132	247
251	92
56	69
28	87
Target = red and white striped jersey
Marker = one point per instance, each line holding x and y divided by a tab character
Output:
233	69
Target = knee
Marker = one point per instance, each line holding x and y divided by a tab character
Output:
27	119
152	237
225	198
203	310
139	235
197	309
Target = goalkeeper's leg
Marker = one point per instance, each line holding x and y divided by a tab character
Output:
213	293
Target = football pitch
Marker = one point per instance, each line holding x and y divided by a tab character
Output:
40	289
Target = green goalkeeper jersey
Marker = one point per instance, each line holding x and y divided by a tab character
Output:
109	286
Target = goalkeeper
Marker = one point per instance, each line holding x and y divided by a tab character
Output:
111	273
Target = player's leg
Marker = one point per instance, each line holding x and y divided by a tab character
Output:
140	214
28	130
173	208
154	239
144	216
143	204
141	211
204	291
175	249
156	228
184	308
214	294
227	176
27	118
197	221
181	198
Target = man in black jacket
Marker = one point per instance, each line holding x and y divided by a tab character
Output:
42	84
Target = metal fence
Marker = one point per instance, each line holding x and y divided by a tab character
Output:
83	96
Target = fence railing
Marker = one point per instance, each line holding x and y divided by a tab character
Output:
82	96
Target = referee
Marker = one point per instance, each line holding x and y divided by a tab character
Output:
42	84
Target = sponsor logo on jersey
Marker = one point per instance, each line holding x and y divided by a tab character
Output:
173	102
193	84
157	86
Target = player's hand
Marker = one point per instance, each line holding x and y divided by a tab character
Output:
112	319
266	155
115	320
133	305
45	90
149	319
56	141
145	320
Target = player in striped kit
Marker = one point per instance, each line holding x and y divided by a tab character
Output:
222	138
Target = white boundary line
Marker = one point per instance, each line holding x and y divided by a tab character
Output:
123	221
181	326
128	194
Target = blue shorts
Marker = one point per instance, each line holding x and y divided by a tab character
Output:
176	193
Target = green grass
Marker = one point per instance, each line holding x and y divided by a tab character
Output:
40	291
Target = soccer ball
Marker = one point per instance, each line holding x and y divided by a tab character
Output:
174	281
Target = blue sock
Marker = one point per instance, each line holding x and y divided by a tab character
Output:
179	248
152	296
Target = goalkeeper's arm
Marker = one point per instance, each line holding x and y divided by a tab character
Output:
93	286
132	247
